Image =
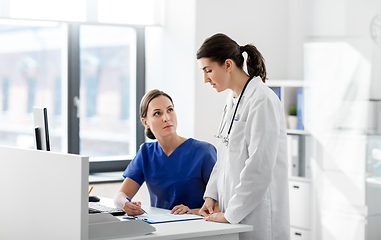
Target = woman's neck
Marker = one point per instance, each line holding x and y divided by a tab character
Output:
170	143
238	83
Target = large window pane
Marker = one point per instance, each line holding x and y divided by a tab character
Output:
30	75
107	90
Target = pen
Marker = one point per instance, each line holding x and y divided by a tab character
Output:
136	205
91	189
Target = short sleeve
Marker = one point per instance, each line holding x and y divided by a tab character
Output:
209	161
135	169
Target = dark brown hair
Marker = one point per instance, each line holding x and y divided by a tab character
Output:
145	103
220	47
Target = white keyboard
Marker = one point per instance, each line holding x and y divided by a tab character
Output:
95	207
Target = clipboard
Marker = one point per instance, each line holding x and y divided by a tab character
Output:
164	218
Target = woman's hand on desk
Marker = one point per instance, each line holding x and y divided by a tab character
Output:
133	208
216	217
181	209
211	211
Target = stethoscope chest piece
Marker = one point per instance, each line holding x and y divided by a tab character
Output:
225	140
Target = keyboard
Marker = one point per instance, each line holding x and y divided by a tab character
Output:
95	207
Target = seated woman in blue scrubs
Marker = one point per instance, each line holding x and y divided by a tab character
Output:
175	169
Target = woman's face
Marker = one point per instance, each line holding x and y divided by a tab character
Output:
161	117
215	74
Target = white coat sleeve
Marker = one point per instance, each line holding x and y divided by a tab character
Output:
262	132
211	187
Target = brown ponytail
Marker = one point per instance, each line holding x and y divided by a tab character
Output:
220	47
255	62
150	134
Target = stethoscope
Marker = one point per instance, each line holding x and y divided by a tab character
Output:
222	126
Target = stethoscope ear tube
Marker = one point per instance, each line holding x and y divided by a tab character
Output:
226	139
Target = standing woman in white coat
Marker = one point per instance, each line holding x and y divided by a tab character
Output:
249	181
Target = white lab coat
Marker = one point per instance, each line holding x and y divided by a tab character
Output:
250	180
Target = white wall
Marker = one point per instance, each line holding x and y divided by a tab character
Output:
262	23
171	57
278	28
170	60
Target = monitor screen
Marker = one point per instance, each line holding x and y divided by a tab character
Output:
41	130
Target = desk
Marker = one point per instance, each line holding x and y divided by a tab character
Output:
43	215
194	229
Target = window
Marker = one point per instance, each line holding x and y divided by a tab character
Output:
75	73
107	89
91	85
30	63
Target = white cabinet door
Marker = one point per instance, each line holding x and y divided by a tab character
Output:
299	234
300	206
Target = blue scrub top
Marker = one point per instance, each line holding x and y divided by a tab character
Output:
178	179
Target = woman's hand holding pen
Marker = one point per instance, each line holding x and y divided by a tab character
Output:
133	208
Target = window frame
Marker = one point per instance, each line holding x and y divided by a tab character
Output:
73	128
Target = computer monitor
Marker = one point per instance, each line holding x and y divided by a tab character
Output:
41	129
57	205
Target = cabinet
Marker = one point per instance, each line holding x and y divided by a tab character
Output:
300	203
334	166
300	154
299	234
